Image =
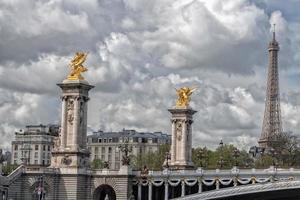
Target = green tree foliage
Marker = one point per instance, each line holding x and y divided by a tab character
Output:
264	161
97	164
9	168
223	154
153	160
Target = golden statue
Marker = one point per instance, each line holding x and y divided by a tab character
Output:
184	96
76	66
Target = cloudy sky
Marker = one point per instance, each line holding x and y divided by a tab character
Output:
139	50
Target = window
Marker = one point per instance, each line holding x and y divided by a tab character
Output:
103	150
49	148
102	157
96	150
117	165
36	147
36	154
100	140
109	150
35	162
110	140
44	155
104	140
44	147
117	156
48	155
43	163
16	155
16	147
109	157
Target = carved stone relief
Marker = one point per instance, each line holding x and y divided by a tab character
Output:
70	111
179	130
66	160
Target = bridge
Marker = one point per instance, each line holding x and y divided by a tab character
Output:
230	184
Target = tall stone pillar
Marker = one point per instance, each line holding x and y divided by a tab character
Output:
182	119
70	150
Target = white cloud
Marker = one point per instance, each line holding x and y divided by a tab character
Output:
138	52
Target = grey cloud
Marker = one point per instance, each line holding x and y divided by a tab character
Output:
138	52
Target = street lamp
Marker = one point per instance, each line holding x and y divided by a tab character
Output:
167	158
221	162
201	154
273	154
221	144
236	154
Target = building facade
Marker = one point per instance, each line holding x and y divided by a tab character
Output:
105	145
33	145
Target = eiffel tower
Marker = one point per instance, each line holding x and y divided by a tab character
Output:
271	127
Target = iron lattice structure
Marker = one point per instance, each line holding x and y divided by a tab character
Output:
271	127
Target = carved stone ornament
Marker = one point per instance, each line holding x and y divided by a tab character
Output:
70	118
66	160
179	130
70	105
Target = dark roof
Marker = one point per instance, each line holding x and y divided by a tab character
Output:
128	133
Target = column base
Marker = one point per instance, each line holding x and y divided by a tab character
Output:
70	159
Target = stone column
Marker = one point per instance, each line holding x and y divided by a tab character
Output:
217	185
76	123
149	191
200	186
85	100
72	153
181	145
184	142
63	122
173	146
139	191
190	140
182	188
166	190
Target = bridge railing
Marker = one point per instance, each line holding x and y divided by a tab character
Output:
210	178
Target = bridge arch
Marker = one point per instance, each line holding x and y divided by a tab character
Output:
104	191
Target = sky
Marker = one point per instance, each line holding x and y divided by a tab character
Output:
139	52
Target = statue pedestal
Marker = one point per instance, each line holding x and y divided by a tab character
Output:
125	169
181	147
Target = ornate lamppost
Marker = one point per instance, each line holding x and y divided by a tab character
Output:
202	155
126	149
273	153
221	162
167	158
236	154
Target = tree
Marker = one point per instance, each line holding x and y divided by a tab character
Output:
153	160
97	164
9	168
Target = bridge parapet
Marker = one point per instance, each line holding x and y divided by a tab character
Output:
210	178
